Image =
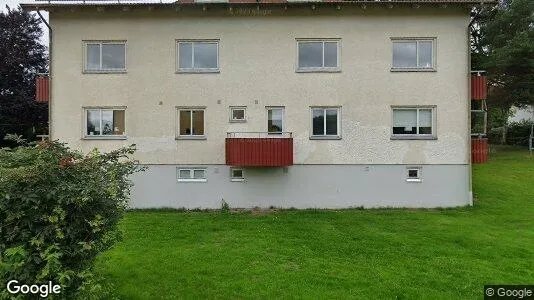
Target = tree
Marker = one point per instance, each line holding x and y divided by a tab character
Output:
21	58
503	44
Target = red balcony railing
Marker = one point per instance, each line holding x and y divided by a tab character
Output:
42	88
479	85
259	149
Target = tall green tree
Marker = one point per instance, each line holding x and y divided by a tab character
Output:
21	58
503	45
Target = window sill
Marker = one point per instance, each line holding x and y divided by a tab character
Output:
197	71
414	180
104	72
101	137
413	137
238	121
318	70
191	137
413	70
192	180
237	180
325	137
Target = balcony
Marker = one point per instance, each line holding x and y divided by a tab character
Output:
259	149
42	87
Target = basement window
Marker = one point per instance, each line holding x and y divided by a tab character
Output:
192	175
413	174
237	174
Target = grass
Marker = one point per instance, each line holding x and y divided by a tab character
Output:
368	254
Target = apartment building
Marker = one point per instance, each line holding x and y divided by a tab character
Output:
299	104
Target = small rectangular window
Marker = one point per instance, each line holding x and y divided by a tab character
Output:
325	122
191	123
238	114
413	174
236	174
105	122
192	174
413	54
318	55
275	120
105	56
198	56
413	122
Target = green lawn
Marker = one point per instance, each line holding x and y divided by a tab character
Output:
403	254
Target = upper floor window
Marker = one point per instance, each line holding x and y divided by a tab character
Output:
275	119
104	123
198	56
413	54
238	114
325	122
318	55
413	122
105	56
191	123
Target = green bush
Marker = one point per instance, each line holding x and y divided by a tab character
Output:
58	210
518	133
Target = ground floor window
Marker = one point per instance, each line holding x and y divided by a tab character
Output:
415	122
104	122
191	123
325	122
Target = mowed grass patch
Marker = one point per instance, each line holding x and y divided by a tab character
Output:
404	254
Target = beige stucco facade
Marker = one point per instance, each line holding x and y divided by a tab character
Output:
257	60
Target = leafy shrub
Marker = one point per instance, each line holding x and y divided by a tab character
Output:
58	210
518	133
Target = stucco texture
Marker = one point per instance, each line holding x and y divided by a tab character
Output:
257	56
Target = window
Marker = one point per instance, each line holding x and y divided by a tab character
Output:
105	57
413	122
275	120
104	123
413	54
236	174
192	174
413	174
191	123
325	122
238	114
316	55
198	56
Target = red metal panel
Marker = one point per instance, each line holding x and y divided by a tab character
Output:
479	87
479	150
42	87
259	152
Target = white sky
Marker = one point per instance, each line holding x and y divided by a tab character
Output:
14	4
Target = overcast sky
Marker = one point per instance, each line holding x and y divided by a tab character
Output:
15	3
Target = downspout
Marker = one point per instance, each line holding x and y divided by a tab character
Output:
49	74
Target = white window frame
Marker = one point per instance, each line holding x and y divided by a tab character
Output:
100	43
102	136
189	136
320	69
191	174
193	69
419	174
283	118
233	108
417	41
325	136
237	179
416	136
